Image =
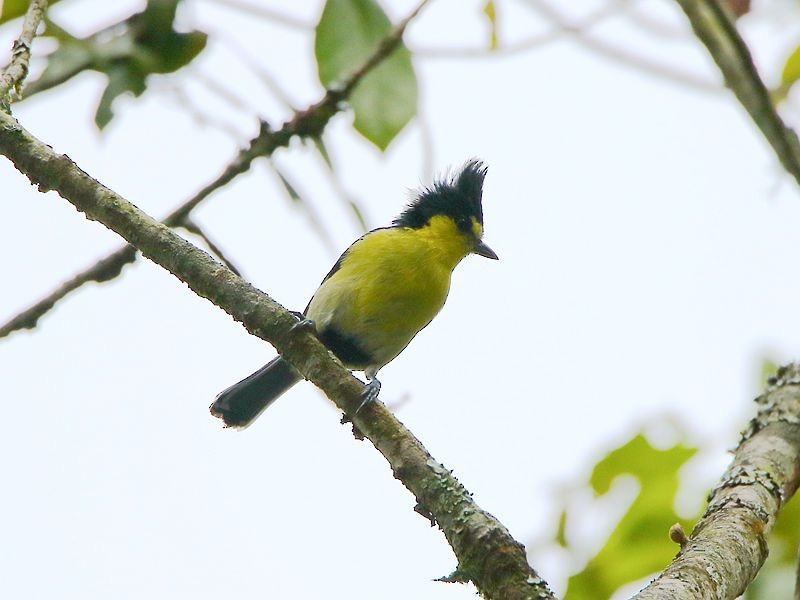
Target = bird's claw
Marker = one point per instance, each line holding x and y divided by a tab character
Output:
370	393
303	324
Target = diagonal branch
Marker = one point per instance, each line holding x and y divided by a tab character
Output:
487	554
728	546
717	31
308	123
16	71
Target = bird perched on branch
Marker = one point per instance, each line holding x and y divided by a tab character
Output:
382	291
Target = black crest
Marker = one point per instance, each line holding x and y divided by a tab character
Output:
458	197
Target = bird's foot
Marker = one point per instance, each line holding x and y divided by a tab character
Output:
303	324
370	393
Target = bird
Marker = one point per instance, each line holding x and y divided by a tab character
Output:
384	289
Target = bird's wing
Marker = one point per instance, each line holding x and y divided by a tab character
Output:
338	264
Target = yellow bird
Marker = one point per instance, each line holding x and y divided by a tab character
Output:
385	288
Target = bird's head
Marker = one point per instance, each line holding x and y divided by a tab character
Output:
452	208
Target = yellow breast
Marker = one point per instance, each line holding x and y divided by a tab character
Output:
390	285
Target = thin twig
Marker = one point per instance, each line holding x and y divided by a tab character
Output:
269	14
728	546
308	123
530	43
103	270
190	107
622	54
243	54
14	74
192	227
216	88
349	200
487	553
639	16
308	209
503	50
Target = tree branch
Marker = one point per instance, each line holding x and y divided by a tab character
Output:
308	123
16	71
487	554
717	31
729	544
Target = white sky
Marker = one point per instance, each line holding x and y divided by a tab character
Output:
648	243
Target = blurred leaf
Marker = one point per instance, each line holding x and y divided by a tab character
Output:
166	49
11	9
385	101
561	532
120	80
640	544
489	11
790	74
127	53
322	149
773	581
71	57
739	8
768	369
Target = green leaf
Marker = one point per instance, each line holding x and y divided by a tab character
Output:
639	545
385	100
768	369
11	9
72	57
127	53
791	70
491	16
561	532
167	50
179	50
120	80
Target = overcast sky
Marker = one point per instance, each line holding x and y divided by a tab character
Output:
648	248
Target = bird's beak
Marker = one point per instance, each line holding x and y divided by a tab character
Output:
484	250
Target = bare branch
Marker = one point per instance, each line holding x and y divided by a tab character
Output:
347	199
13	76
101	271
196	111
308	209
252	63
487	554
308	123
729	544
717	31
